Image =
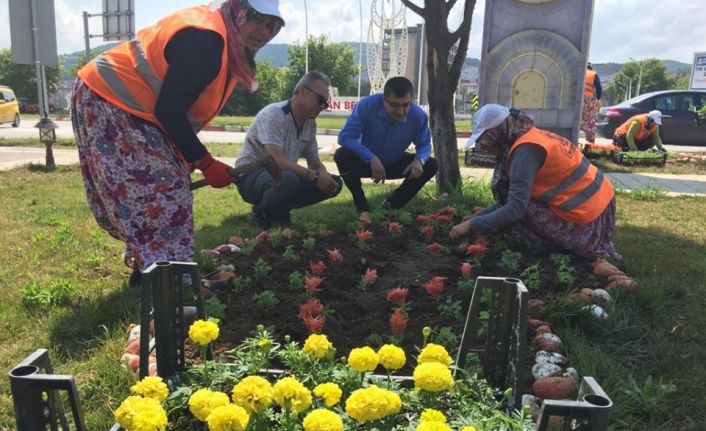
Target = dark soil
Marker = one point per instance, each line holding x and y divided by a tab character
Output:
356	317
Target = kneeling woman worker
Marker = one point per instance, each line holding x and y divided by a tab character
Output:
543	182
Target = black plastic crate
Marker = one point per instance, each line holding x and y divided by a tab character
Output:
478	158
640	158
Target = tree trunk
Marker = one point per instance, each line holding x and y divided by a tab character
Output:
444	71
443	131
441	90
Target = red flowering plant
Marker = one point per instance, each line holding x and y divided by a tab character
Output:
423	219
435	247
394	228
398	322
435	286
311	314
317	267
335	255
478	248
428	231
368	279
312	283
363	237
398	295
466	282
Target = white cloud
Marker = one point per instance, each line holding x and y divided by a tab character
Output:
621	28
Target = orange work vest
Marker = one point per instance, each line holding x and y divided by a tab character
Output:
644	131
130	75
567	182
589	83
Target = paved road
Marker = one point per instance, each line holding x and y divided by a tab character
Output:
11	157
675	185
326	141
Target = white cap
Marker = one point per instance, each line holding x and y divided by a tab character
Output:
656	116
267	7
487	117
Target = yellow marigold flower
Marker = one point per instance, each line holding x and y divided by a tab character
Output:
203	401
290	393
372	403
151	387
203	332
363	359
253	393
141	414
469	428
317	345
391	357
323	420
433	426
228	418
431	415
434	353
432	377
330	392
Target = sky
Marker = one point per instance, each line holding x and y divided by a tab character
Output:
622	29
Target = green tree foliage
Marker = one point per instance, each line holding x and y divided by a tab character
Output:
22	78
271	89
334	59
654	77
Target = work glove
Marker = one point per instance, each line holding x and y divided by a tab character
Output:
215	172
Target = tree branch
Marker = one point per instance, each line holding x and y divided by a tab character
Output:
465	27
463	34
416	9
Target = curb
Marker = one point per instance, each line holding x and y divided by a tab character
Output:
244	129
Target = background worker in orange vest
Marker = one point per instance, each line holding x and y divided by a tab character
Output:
137	109
542	182
640	132
592	92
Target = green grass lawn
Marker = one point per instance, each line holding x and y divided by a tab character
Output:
63	287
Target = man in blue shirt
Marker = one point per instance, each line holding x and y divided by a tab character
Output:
373	143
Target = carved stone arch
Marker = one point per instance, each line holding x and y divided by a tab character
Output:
545	52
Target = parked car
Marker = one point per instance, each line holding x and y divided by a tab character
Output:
9	108
678	107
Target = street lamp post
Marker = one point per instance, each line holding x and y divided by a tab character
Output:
306	40
360	47
639	77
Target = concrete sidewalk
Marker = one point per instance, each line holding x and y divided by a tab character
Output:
674	185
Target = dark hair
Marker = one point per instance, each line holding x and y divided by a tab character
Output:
399	85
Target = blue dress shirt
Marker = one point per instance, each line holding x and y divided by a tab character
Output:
369	132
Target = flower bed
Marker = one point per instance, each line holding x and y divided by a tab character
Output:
317	391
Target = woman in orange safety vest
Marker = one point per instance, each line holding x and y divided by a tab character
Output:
544	182
136	110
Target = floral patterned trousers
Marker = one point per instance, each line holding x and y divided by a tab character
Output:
137	186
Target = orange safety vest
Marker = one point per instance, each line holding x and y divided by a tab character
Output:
589	83
644	131
130	75
567	182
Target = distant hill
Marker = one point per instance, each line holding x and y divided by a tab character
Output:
276	53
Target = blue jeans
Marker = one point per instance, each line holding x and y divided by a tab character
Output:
258	189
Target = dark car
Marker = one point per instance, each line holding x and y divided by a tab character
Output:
678	107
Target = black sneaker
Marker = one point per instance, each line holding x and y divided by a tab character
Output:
259	219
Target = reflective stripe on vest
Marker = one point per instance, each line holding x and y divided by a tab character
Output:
130	75
641	134
579	197
110	76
